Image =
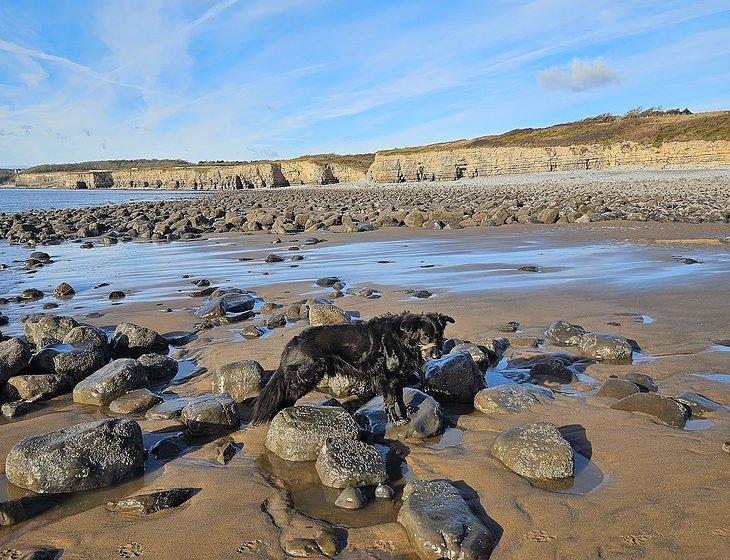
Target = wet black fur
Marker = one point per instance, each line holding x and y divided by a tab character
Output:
383	352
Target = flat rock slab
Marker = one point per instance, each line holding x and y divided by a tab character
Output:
663	409
699	405
297	433
110	382
505	399
426	417
145	504
455	377
536	451
440	524
241	380
135	402
615	388
344	462
81	457
209	414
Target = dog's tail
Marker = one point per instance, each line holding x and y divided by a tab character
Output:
271	399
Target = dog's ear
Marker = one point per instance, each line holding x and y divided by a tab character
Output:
446	319
410	324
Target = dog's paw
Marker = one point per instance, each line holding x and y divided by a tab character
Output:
401	421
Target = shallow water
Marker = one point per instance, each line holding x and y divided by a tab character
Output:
21	200
588	477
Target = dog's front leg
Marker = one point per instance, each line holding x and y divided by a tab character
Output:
389	401
404	410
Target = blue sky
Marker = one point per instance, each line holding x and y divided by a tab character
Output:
238	80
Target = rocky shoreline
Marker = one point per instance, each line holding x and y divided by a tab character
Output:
662	197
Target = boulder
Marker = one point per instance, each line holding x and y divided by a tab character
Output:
241	380
63	291
426	417
505	399
81	457
480	356
645	382
80	362
44	330
699	405
110	382
132	341
562	333
158	367
537	451
209	414
38	387
298	432
135	402
86	335
663	409
343	462
218	305
15	354
440	524
614	388
454	377
344	386
606	347
144	504
326	314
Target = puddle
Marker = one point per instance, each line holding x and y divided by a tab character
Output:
642	358
588	477
719	377
698	425
718	348
451	437
186	370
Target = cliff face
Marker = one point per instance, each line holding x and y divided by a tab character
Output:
450	164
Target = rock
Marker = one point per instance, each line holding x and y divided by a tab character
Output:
135	402
343	462
241	380
302	548
273	258
16	408
327	282
537	451
80	362
209	414
38	387
509	327
440	524
562	333
276	321
86	335
81	457
552	369
252	332
144	504
530	268
63	291
326	314
225	450
645	382
422	294
227	302
505	399
614	388
344	386
169	447
481	357
454	377
351	498
45	330
20	509
524	341
699	405
110	382
384	492
117	294
31	294
426	417
168	409
497	346
132	341
15	354
158	367
606	347
663	409
297	433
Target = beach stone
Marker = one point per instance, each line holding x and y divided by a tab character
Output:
454	377
44	330
536	450
30	294
18	510
86	335
509	327
63	291
645	382
16	408
498	346
80	362
225	450
116	294
252	332
344	462
302	548
663	409
422	294
209	414
158	367
440	524
32	553
326	314
132	341
15	354
145	504
699	405
273	258
38	387
227	302
552	369
135	402
614	388
168	409
81	457
562	333
277	321
606	347
327	282
110	382
351	498
344	386
426	417
169	447
241	379
481	357
384	491
297	433
505	399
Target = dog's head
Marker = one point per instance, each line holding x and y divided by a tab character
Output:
425	331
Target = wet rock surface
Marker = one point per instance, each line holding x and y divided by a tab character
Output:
663	409
505	399
440	524
615	388
563	333
132	341
326	314
344	462
536	451
135	402
158	367
15	354
241	379
297	433
44	330
110	382
351	498
425	413
454	377
209	414
606	347
145	504
38	387
82	457
699	405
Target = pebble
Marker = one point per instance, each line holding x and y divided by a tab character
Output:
351	498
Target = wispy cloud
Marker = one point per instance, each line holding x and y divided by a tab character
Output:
579	75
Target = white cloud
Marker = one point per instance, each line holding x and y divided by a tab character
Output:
579	75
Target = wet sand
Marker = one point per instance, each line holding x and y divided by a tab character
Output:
653	491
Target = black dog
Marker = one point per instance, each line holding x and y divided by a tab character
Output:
382	352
